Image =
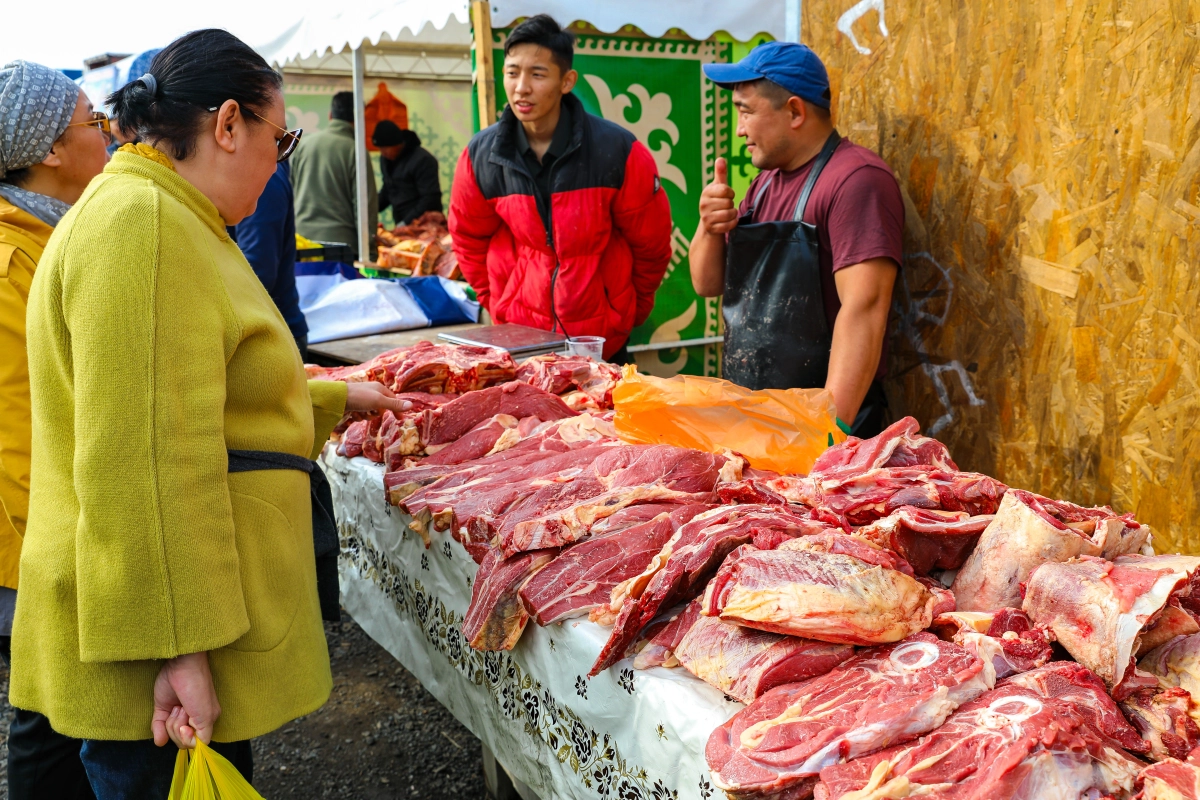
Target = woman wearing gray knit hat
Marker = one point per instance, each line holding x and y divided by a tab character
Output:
51	146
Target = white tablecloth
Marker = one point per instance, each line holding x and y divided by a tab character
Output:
624	734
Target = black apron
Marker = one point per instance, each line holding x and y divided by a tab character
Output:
325	536
776	333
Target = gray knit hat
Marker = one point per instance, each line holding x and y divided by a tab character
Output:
36	105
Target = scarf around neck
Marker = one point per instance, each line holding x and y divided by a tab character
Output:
48	209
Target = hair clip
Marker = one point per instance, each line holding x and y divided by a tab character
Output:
150	83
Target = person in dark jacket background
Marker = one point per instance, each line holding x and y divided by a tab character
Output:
410	173
268	240
558	216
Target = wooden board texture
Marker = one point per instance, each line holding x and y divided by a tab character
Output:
1049	154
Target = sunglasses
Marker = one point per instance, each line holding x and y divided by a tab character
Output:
100	122
285	144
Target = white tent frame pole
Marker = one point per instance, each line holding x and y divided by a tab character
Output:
362	162
791	20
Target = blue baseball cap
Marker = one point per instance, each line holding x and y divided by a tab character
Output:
795	67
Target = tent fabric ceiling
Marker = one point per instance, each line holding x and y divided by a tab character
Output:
320	33
699	19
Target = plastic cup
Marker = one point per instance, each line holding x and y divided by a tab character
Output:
590	346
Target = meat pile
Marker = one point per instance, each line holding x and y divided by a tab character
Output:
423	247
896	627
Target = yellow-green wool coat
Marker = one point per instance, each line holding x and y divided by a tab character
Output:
153	349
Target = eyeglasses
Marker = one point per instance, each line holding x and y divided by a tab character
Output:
100	122
286	144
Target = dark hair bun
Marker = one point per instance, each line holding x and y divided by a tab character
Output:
167	105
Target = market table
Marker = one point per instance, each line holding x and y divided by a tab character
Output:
628	734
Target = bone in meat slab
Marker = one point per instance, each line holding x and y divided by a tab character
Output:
883	696
928	539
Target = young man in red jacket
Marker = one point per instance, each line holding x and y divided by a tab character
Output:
558	216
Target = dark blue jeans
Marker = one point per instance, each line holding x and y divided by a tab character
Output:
141	771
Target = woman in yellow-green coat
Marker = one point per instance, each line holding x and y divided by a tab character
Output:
163	597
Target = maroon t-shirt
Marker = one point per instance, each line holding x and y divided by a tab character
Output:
856	206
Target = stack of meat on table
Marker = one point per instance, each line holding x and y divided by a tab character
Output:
895	627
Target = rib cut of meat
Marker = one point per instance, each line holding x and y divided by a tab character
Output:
1007	640
882	696
1163	719
870	496
1101	610
1030	530
685	564
899	445
495	618
1170	779
816	590
583	576
744	663
427	367
1010	743
559	374
1083	689
553	515
929	540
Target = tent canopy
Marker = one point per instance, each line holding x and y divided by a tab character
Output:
699	19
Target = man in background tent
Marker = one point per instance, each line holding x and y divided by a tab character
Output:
410	173
558	216
324	176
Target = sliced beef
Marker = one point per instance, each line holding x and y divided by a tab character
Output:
899	445
495	618
928	539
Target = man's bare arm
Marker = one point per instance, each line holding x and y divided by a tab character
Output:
865	291
718	216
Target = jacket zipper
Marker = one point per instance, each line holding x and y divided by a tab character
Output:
550	242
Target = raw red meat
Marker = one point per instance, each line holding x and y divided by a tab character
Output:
661	638
450	422
899	445
744	663
1176	664
584	574
831	587
427	367
1170	779
559	374
1010	743
1076	684
495	618
475	443
1101	610
1007	641
882	696
870	496
561	513
929	540
685	564
1030	530
1163	719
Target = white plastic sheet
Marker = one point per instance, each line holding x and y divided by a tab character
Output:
625	733
336	308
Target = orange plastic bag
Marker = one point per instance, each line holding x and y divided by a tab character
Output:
777	429
205	774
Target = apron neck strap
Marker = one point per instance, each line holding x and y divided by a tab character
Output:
822	159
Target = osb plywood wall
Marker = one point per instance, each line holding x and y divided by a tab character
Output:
1048	151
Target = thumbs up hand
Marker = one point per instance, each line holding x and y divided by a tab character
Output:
717	212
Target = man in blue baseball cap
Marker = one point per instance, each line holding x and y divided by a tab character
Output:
807	262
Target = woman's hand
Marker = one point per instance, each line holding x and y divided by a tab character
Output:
373	397
185	702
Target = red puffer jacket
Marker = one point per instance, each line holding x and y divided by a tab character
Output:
589	265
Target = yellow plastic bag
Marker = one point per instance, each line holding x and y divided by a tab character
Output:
205	774
777	429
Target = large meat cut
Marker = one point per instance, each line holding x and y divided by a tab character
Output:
1171	779
1175	664
496	618
1163	718
899	445
1010	743
744	663
928	539
832	587
1007	640
584	575
1030	530
883	696
559	513
1106	613
427	367
561	374
686	562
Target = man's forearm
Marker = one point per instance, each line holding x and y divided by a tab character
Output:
706	257
854	358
